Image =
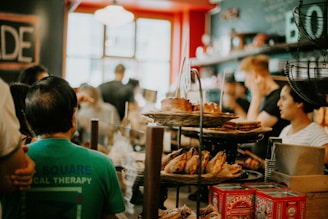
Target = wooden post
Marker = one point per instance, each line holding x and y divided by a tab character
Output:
94	134
154	147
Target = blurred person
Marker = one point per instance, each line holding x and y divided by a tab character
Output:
116	93
302	130
16	168
232	101
32	74
18	92
265	93
104	112
70	181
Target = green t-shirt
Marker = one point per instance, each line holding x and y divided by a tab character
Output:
70	182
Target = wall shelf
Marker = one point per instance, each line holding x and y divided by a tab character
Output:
278	48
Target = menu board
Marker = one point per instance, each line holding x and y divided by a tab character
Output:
265	16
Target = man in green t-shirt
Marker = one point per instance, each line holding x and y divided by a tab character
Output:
70	181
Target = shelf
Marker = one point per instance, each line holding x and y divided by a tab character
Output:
278	48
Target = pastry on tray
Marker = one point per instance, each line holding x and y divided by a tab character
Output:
187	163
184	212
176	105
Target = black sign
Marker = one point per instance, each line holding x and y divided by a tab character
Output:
19	41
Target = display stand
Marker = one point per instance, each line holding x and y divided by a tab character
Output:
195	119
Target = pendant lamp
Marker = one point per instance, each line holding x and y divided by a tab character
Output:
114	15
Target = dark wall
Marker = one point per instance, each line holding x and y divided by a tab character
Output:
51	14
266	16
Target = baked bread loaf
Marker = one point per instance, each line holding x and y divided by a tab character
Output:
205	159
191	152
176	105
167	158
192	165
177	165
215	165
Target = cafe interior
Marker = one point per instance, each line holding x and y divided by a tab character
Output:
185	53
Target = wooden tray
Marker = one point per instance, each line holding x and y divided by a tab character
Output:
231	135
190	119
192	179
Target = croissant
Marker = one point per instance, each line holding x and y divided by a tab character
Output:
192	151
167	158
177	165
192	165
214	166
205	159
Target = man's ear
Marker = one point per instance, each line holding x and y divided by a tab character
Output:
74	121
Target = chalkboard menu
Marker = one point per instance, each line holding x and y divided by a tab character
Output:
265	16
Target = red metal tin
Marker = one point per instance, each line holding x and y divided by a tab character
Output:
279	204
265	186
233	200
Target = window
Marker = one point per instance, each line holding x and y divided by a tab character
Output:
143	46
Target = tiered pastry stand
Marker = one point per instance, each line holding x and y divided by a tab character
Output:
195	119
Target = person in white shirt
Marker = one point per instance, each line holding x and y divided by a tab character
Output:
302	130
16	168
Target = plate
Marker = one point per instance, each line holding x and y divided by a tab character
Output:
193	179
236	136
252	175
191	119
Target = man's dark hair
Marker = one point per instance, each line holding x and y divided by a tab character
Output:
29	75
50	105
18	92
120	69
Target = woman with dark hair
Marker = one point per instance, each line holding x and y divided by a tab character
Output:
302	130
32	74
18	92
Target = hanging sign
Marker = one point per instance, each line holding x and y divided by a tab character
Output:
19	41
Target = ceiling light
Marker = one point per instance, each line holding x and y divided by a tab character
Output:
114	15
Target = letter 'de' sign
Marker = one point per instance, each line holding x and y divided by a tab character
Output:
19	41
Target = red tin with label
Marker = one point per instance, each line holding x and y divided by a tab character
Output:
279	204
233	200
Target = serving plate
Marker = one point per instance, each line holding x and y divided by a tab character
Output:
193	179
191	119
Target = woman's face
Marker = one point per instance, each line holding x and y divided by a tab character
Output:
288	108
250	77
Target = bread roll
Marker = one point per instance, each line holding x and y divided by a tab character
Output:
167	158
214	166
192	164
205	159
177	165
192	151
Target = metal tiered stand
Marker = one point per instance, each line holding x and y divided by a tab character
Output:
195	119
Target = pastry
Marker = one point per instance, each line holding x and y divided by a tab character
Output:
177	165
214	166
205	159
242	125
233	168
167	158
176	105
192	165
209	107
192	151
170	214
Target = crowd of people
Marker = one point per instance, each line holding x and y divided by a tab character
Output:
53	177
